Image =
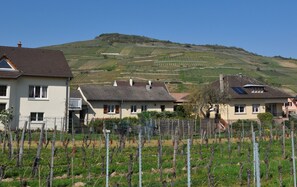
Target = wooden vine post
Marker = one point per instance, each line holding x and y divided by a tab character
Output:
20	163
37	158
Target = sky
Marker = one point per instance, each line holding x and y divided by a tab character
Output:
265	27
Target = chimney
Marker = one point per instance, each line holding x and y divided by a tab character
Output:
20	44
148	87
131	82
221	82
115	83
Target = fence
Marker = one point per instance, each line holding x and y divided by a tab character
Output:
50	123
160	152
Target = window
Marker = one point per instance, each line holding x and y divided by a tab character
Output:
133	108
3	90
256	108
2	106
111	109
5	65
37	91
162	108
36	116
239	109
143	108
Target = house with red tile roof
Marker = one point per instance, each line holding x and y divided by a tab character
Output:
35	84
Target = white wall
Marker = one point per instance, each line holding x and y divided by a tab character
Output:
97	110
10	99
52	107
10	88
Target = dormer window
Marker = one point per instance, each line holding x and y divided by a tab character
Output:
5	65
255	88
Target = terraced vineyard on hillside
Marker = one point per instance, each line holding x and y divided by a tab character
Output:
116	56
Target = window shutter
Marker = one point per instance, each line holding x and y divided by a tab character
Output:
105	109
117	109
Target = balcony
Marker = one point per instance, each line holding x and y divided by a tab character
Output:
75	104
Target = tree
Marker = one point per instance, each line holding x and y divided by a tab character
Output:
5	117
182	112
202	99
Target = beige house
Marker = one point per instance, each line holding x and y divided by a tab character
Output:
125	99
248	97
34	83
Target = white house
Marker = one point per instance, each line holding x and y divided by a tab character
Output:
125	99
35	84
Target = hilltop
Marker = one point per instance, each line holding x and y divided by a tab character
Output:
117	56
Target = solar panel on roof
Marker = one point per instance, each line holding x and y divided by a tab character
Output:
239	90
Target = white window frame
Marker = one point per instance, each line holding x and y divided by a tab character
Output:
239	107
37	116
111	109
35	92
133	109
255	108
4	96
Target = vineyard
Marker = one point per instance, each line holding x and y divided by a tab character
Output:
161	149
117	56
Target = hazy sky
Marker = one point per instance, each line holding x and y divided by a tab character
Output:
265	27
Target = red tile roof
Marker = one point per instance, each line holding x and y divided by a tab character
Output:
180	97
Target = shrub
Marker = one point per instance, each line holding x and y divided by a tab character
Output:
265	118
244	124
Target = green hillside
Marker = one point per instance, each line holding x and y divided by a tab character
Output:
111	57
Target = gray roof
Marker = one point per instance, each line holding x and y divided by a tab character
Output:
247	84
125	93
137	83
75	94
35	62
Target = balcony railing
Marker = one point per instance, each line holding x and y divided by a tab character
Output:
75	104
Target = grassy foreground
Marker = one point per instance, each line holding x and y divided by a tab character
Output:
216	163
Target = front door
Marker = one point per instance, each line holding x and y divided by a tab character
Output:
271	108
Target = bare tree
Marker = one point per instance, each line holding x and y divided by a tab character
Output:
204	98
